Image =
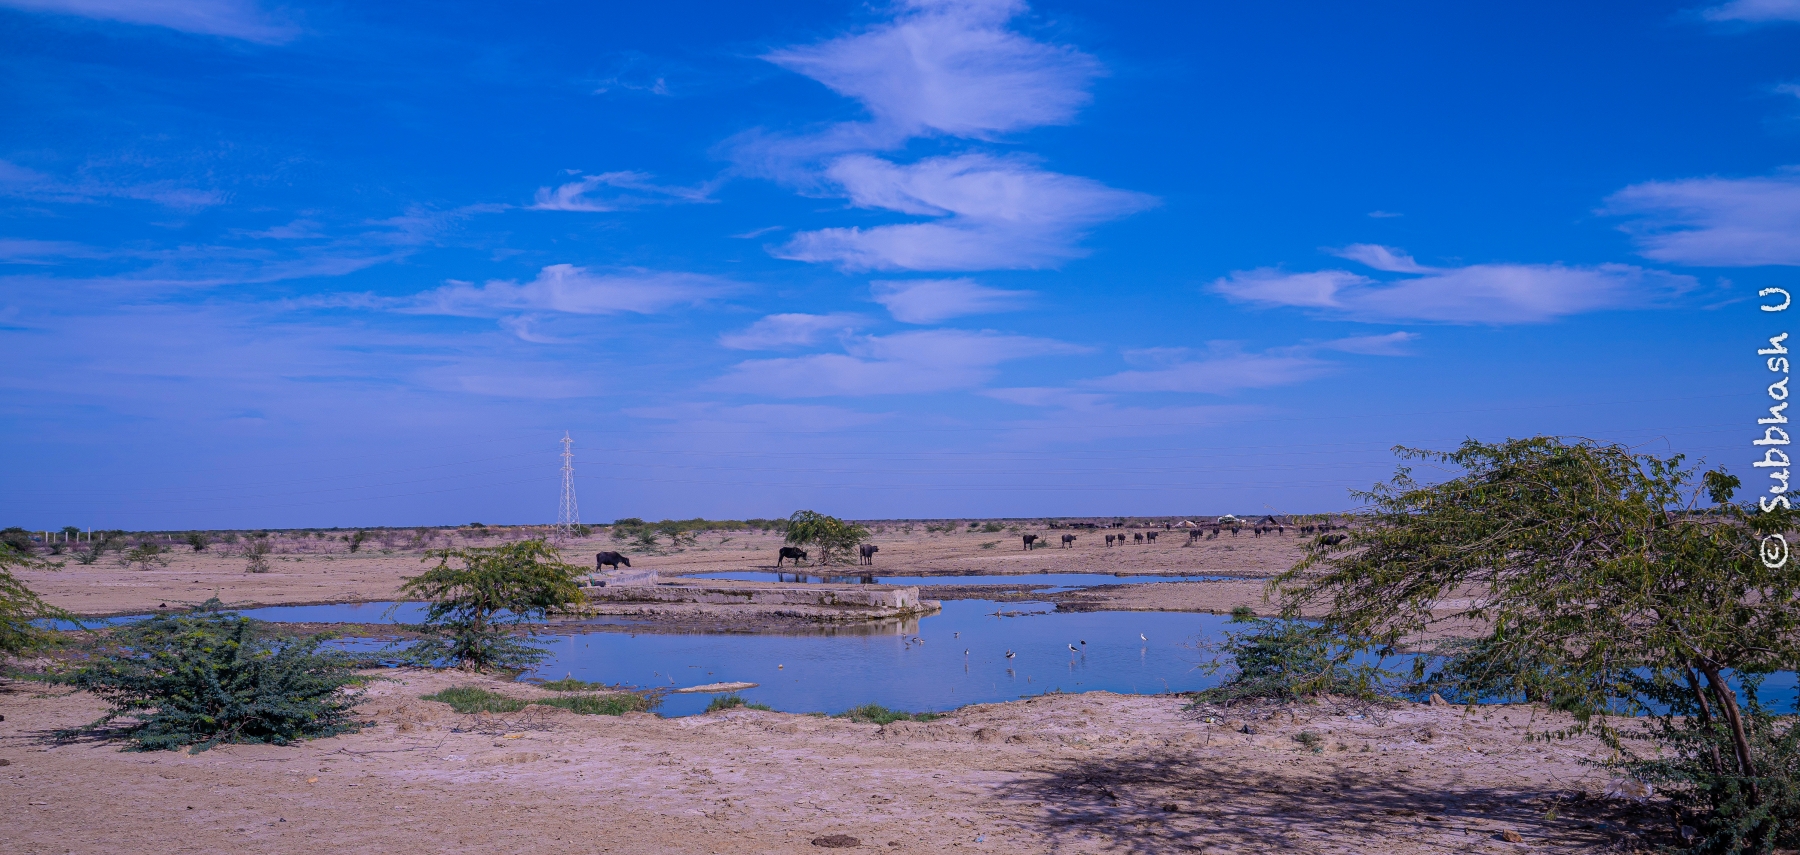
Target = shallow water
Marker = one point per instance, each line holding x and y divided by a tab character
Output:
1057	581
831	673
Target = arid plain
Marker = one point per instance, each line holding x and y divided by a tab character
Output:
1094	772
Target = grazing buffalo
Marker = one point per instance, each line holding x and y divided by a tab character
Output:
793	552
1137	537
1109	540
1030	540
610	559
866	553
1194	534
1068	541
1151	535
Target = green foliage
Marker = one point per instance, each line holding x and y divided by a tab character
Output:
1285	660
479	595
878	714
834	538
357	540
144	555
1729	812
18	539
19	606
1312	741
726	702
992	527
256	556
206	678
570	684
1239	614
198	540
1598	581
472	699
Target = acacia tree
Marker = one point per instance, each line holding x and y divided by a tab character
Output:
20	606
1595	574
479	595
833	537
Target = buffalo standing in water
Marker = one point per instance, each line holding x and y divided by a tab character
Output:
612	559
866	553
787	552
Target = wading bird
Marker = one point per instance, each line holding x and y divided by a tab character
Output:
1009	654
1141	635
1074	649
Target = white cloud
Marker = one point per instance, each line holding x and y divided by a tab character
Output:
579	195
1754	11
1226	369
573	290
1482	293
787	330
789	418
927	301
1392	344
20	181
903	363
237	19
1382	258
994	213
1724	222
949	68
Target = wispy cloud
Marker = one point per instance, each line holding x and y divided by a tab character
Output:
1724	222
722	418
1755	11
949	67
927	301
574	290
1223	368
236	19
1480	293
23	182
903	363
1381	258
583	194
789	330
993	213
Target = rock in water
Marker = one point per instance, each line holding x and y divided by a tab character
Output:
836	841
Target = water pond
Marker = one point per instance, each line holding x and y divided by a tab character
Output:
1057	582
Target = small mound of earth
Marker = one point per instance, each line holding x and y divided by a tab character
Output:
836	841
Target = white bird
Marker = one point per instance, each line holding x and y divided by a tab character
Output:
1141	635
1009	654
956	635
1074	649
965	651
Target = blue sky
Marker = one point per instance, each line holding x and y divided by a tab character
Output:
340	264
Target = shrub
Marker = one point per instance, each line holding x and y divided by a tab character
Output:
18	539
480	595
570	684
20	607
256	556
726	702
206	678
1285	660
144	555
358	539
878	714
198	540
834	538
1311	741
472	699
992	527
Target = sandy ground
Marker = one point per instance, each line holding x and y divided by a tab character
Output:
1093	773
105	587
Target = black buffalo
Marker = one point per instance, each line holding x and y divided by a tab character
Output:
1068	540
787	552
1030	540
866	553
612	559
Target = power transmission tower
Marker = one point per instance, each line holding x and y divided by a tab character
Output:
570	515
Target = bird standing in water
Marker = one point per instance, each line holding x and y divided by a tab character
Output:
1141	636
1009	654
1074	649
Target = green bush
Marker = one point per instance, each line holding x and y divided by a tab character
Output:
726	702
878	714
1285	660
469	699
198	540
570	684
20	607
206	678
480	595
472	699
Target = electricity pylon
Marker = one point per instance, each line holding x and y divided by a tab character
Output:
569	516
